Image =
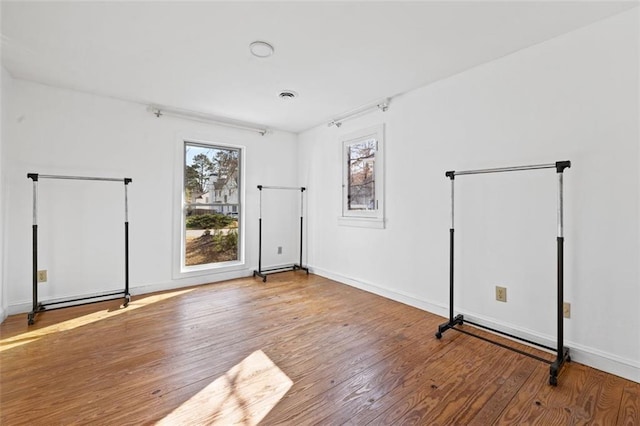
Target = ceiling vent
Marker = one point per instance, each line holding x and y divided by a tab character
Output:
288	94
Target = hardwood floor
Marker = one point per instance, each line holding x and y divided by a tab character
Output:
297	350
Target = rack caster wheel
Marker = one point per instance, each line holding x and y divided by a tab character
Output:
568	358
553	380
30	321
438	335
264	280
127	299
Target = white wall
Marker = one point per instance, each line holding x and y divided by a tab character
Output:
56	131
5	90
574	97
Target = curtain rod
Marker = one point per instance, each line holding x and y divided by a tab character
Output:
296	188
159	111
382	105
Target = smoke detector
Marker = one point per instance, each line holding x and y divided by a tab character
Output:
261	49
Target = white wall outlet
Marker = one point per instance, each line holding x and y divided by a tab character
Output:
42	276
566	310
501	294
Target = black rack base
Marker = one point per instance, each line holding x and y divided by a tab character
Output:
41	307
262	273
31	316
554	368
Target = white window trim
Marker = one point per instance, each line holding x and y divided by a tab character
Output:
179	271
361	222
359	218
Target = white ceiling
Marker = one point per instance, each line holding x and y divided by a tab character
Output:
337	55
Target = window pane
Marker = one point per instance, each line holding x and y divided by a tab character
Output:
361	179
212	198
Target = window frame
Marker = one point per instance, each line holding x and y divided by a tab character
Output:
373	218
180	270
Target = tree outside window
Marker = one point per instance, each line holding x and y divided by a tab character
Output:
212	204
362	178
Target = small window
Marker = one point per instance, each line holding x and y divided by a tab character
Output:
363	178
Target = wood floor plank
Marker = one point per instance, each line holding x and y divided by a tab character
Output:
629	412
178	394
446	394
510	373
350	361
296	350
358	402
488	411
357	384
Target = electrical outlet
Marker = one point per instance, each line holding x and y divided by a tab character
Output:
42	276
279	249
501	294
566	310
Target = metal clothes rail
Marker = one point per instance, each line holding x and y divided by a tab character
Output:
562	353
59	304
262	273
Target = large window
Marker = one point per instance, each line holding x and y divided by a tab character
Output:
363	178
211	197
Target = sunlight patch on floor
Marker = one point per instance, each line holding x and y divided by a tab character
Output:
244	395
31	336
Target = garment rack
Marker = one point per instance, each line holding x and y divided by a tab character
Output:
262	273
561	353
60	304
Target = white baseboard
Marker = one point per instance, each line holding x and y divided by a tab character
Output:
139	289
3	314
401	297
610	363
190	281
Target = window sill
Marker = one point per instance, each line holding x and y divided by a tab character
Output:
361	222
209	269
